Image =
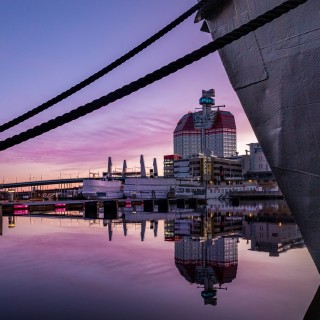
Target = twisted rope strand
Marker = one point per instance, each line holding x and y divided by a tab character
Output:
104	71
150	78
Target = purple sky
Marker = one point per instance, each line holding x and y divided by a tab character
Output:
48	46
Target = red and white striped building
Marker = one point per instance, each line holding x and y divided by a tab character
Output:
209	131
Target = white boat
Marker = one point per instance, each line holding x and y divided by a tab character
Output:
226	207
148	188
135	188
94	189
221	191
189	188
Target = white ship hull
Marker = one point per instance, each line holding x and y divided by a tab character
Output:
148	188
137	188
158	188
222	192
102	189
275	72
212	191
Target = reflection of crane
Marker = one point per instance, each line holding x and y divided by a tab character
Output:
143	229
154	226
108	223
210	292
1	222
206	273
124	223
11	221
209	296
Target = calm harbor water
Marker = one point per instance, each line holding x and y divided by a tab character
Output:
245	262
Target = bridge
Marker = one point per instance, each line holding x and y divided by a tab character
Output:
40	188
36	183
37	188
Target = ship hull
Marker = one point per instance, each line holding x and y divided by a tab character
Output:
148	188
101	189
275	72
137	188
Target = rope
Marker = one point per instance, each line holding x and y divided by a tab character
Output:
150	78
104	71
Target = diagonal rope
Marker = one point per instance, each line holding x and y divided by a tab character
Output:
150	78
104	71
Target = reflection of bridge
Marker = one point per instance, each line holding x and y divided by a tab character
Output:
149	216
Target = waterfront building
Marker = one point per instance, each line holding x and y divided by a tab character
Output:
244	159
203	168
272	233
209	131
215	169
169	230
258	161
259	167
181	169
168	165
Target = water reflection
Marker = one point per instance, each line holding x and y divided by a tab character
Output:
1	221
202	256
274	233
205	245
207	262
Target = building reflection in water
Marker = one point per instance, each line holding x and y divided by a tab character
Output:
109	223
154	226
11	221
267	226
1	221
110	231
203	260
272	232
206	243
124	224
206	247
207	263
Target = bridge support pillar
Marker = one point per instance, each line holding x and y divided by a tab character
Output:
181	203
163	205
193	203
110	208
148	205
91	210
1	223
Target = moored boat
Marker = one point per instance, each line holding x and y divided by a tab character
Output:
194	189
135	188
148	188
102	189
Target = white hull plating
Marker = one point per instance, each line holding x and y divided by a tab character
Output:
148	188
101	189
138	188
212	191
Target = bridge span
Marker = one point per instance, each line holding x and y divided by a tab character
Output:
36	183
